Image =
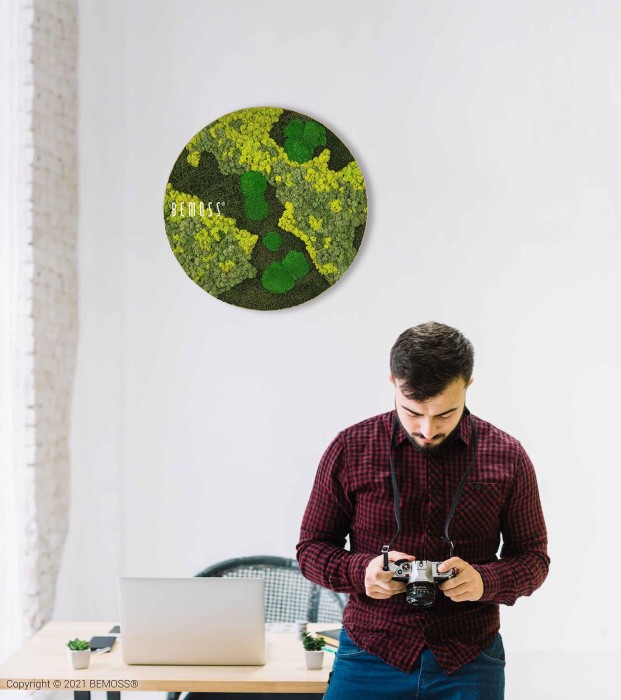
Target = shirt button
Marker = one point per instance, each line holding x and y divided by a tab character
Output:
435	492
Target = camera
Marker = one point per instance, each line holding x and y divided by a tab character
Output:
422	577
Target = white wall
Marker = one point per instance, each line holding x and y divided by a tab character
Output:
489	136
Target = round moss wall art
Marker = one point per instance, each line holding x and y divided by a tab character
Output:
265	208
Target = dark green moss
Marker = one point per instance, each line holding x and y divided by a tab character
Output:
302	138
255	207
251	294
253	183
296	264
298	151
277	279
314	134
294	129
340	155
272	241
207	183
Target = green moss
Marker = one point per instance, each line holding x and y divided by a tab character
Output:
213	250
253	186
255	207
272	241
298	151
294	129
253	183
314	134
302	139
277	279
296	264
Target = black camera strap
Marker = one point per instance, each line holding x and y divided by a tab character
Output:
460	487
396	496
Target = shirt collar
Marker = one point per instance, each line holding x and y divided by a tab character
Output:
464	429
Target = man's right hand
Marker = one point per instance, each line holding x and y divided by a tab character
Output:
378	583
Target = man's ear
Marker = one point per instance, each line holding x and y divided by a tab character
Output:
470	382
392	379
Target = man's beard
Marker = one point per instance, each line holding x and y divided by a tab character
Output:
429	449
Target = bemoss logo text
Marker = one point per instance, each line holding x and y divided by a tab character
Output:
183	209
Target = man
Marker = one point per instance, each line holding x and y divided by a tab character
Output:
388	647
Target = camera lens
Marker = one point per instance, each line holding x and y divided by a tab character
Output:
420	594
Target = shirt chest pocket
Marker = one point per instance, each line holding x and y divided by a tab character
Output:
478	511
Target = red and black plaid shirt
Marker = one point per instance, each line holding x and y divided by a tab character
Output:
352	495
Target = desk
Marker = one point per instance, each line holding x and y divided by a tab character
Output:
43	659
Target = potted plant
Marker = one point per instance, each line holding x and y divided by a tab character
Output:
313	653
79	652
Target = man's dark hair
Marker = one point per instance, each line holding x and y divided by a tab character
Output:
429	357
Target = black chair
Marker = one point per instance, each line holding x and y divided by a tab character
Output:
288	597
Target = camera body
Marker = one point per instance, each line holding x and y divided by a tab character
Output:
421	578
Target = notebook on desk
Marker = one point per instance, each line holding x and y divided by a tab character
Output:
330	636
192	621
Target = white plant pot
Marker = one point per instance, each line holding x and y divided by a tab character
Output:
79	659
314	660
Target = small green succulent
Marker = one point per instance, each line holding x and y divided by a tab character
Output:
78	644
312	643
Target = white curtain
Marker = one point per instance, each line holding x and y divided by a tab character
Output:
14	192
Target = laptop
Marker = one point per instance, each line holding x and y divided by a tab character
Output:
193	621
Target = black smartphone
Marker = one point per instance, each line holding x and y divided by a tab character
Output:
101	642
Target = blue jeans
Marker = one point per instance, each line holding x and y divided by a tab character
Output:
363	676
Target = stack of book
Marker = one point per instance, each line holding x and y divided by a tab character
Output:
330	637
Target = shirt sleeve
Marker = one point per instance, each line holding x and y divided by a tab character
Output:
524	560
321	550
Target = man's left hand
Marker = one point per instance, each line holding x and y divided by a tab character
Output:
467	585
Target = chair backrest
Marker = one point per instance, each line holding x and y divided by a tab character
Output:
288	595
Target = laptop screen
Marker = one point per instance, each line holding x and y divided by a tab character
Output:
192	621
